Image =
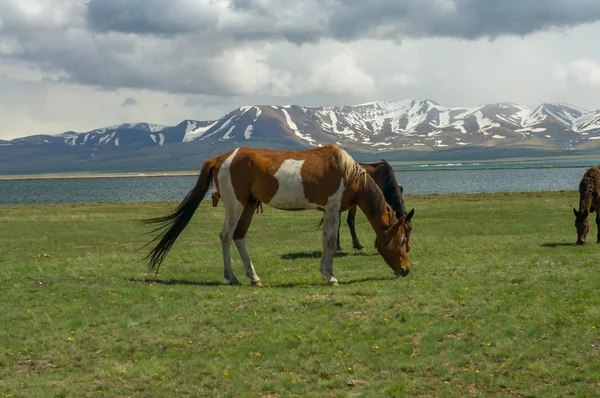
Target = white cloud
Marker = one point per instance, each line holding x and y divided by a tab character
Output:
339	74
584	71
403	79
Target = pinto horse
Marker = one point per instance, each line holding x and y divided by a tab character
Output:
589	202
385	178
324	178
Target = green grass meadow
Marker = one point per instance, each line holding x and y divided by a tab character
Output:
500	302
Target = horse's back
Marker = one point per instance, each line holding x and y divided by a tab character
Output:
290	180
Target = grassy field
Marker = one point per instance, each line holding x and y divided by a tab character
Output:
500	302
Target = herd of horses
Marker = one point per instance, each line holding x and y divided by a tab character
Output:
326	179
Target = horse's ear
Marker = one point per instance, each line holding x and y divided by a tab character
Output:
575	212
585	213
401	188
410	215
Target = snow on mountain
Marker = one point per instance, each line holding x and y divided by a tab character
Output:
374	127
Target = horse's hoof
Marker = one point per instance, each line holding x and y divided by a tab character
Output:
333	282
359	248
256	283
232	282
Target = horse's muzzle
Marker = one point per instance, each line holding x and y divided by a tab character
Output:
581	242
402	272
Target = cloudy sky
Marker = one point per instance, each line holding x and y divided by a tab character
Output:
83	64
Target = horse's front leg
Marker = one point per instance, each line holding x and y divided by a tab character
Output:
331	223
338	246
351	224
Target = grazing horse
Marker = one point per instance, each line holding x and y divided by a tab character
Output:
589	202
324	178
385	178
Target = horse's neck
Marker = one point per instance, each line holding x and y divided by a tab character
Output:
392	196
369	203
586	198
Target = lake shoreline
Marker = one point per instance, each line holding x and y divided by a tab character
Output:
429	167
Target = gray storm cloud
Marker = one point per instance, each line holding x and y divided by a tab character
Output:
309	20
240	47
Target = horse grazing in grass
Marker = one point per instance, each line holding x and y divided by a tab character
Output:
385	178
589	202
324	178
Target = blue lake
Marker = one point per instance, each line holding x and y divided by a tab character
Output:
436	180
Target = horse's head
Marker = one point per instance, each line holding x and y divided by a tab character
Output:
215	199
395	245
582	224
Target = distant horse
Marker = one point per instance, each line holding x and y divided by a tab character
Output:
324	178
589	202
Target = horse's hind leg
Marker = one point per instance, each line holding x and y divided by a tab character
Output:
233	212
239	238
331	223
351	218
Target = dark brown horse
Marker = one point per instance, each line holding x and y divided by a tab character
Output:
589	202
385	178
324	178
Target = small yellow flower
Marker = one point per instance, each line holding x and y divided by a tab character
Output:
225	373
70	339
477	371
376	347
190	342
350	369
446	382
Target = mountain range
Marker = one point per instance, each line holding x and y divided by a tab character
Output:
402	130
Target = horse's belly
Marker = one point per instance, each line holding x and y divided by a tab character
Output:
291	197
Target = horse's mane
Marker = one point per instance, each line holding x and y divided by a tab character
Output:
588	186
352	171
390	188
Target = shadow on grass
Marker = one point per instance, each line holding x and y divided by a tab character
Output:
561	244
317	254
323	284
266	285
177	282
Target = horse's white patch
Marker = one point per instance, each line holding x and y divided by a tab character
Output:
225	185
334	202
290	193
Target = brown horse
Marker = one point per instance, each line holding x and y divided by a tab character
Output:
324	178
589	202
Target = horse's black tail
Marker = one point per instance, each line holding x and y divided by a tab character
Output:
175	222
